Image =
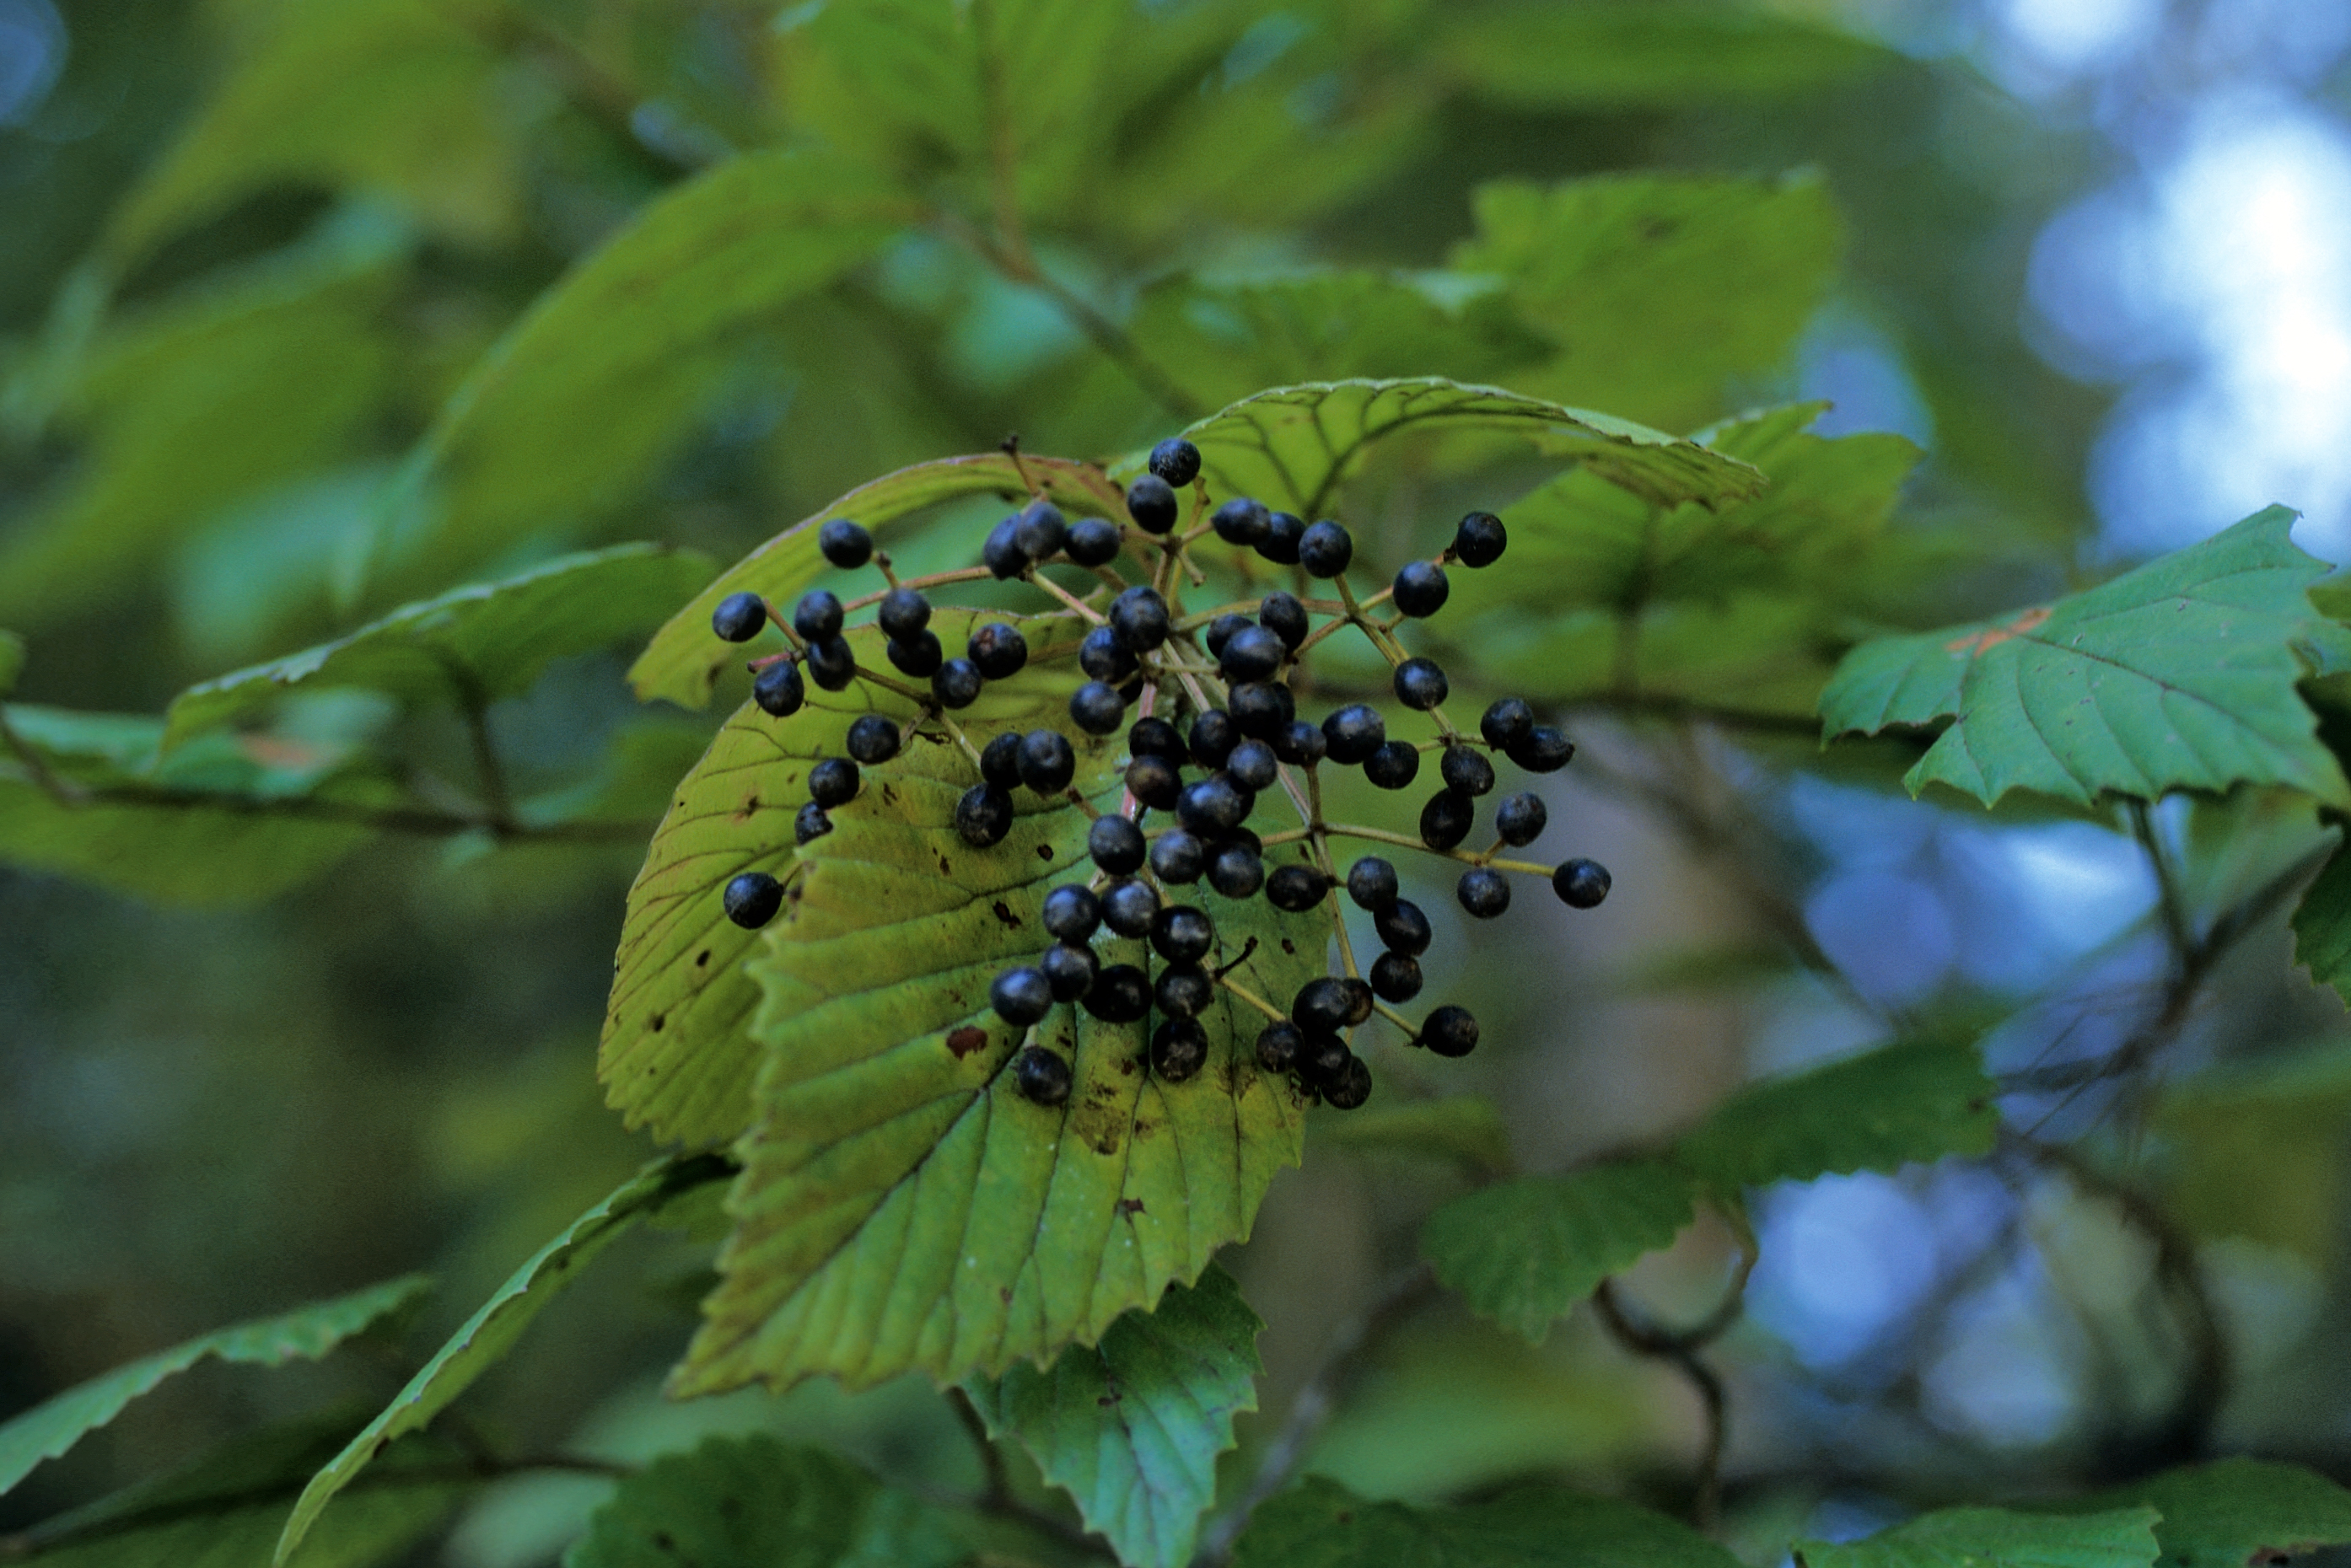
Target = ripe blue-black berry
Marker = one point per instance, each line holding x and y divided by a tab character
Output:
818	614
1394	767
1353	1087
1252	763
1284	533
1180	1049
1296	888
1021	996
1420	683
918	655
1070	968
1279	1046
998	650
1359	999
1042	1078
1128	907
1282	614
1214	736
1372	883
1093	542
1236	871
1506	722
779	688
1395	976
844	544
1221	632
1322	1007
1155	738
1582	883
1465	769
1214	806
1071	913
1047	762
1325	1059
872	739
1446	819
830	663
1483	891
1121	994
1178	856
1402	928
1241	521
832	782
752	899
1097	708
1139	616
1116	845
999	762
1450	1032
739	616
984	814
1479	540
956	683
903	612
1301	742
1176	460
1001	554
812	824
1039	531
1354	732
1262	708
1152	503
1543	750
1519	818
1155	782
1182	934
1420	588
1253	653
1184	991
1103	656
1325	549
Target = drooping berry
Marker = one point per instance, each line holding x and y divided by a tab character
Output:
1241	521
1372	883
1103	656
1116	845
1582	883
1128	907
1182	934
1506	722
1093	542
1394	767
1300	744
1155	738
1253	763
1543	750
1072	913
1237	871
1253	653
1520	819
1479	540
811	824
1446	819
1040	531
999	761
1155	782
1152	503
779	688
1047	760
1139	616
1281	614
1420	683
1354	732
1097	708
1325	1059
739	616
1214	736
984	816
830	663
844	544
1421	589
1042	1078
903	613
752	899
1395	976
1176	460
1178	856
998	650
818	615
1450	1032
1353	1088
1322	1006
1280	1045
1221	632
1002	553
1121	994
872	739
1261	709
1284	537
1180	1049
1296	888
1403	929
1214	806
1184	991
1324	549
1070	968
832	782
919	656
956	683
1484	892
1021	996
1466	771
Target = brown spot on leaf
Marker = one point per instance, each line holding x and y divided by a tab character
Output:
1991	636
702	958
1130	1205
1044	852
1004	1294
750	804
963	1042
1290	947
1004	913
1130	1066
660	1018
889	793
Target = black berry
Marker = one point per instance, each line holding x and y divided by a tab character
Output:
1403	929
752	899
1252	763
739	616
1446	819
812	824
1420	683
1128	908
1284	533
956	683
1467	771
1421	588
1070	968
1042	1078
818	614
1103	656
1155	782
1353	1087
1296	888
1543	750
1155	738
1394	767
1214	736
1039	531
1483	891
1301	742
919	656
1072	914
1182	934
872	739
1236	871
1152	503
1184	991
1325	549
1097	708
1121	994
903	613
1176	460
1279	1046
1139	616
1178	856
1354	732
1021	996
999	762
1241	521
1450	1032
1116	845
1325	1059
1506	722
1253	653
984	816
1395	976
1283	616
844	544
1582	883
779	688
1093	542
1372	883
1214	806
1479	540
1519	818
832	782
1179	1048
830	663
1263	709
1221	632
1047	760
1322	1007
998	650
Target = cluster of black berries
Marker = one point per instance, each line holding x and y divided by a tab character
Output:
1230	733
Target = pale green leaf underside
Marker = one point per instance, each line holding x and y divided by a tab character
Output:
2178	675
1996	1538
1878	1111
1322	1524
1522	1253
493	1329
2233	1512
1131	1427
2322	926
304	1334
753	1503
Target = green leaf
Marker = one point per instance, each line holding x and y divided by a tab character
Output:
2322	926
1322	1524
1131	1427
1995	1538
304	1334
683	660
2232	1512
12	660
1522	1253
1659	289
1913	1102
1292	447
492	1330
473	645
2178	675
1465	1129
753	1503
1636	54
2259	1151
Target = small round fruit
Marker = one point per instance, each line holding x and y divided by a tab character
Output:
1284	533
1047	760
1184	991
1253	653
1395	976
1042	1078
1072	913
1129	907
1325	1059
1001	554
1214	736
1093	542
1237	871
1241	521
1450	1032
872	740
1152	503
957	683
984	816
1139	616
752	899
1214	806
832	782
1420	588
1155	782
903	612
1446	819
1403	929
1483	891
1394	767
1519	818
1180	1049
1116	845
1178	856
1506	722
1155	738
779	688
1543	750
811	824
1183	934
1302	743
1372	883
1359	999
1261	709
1282	614
1420	683
1479	540
1280	1045
844	544
1097	708
1325	549
1466	771
1296	888
1070	968
1354	732
1353	1087
998	650
1581	883
739	616
1176	460
818	614
1322	1006
918	655
1040	531
830	663
1021	996
1103	656
999	762
1253	763
1121	994
1221	632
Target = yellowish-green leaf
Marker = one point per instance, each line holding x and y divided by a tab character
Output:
1914	1102
1322	1524
1522	1253
1996	1538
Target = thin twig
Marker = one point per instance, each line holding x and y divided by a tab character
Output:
1680	1353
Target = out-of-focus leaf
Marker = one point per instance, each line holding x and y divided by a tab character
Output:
492	1330
1658	289
753	1503
2322	926
2259	1149
1638	54
471	645
12	660
1322	1524
2232	1512
1995	1538
640	768
1522	1253
1881	1110
304	1334
2178	675
1466	1128
1131	1427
